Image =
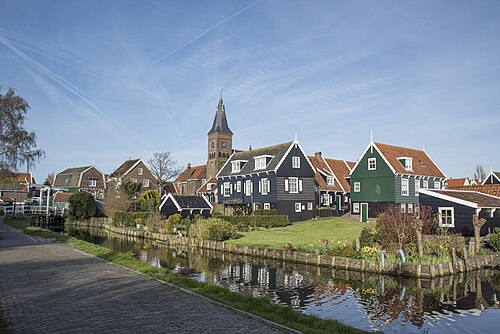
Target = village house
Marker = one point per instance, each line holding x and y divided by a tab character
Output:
16	186
492	178
276	177
386	174
185	205
133	170
77	179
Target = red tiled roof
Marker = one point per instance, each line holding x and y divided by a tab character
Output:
62	197
319	164
204	187
422	164
341	170
480	199
196	172
491	189
464	181
169	188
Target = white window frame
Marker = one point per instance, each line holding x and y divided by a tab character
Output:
403	207
440	212
410	207
140	171
267	206
355	207
295	162
309	206
426	184
133	180
248	187
409	164
417	187
260	162
298	207
93	183
145	183
264	186
405	185
437	185
330	180
293	181
357	187
326	199
372	163
226	189
238	186
235	166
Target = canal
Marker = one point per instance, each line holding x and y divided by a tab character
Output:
466	303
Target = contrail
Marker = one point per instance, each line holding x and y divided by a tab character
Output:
205	32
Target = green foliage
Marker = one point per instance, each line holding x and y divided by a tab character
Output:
368	237
266	212
169	223
131	188
81	206
494	240
131	219
345	251
245	223
213	229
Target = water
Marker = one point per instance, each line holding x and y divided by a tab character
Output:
456	304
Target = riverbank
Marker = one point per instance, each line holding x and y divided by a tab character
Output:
407	269
260	307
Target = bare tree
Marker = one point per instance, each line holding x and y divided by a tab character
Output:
17	145
49	180
164	168
479	173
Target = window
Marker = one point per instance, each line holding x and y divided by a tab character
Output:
295	162
309	206
133	180
209	186
298	207
403	207
248	187
417	187
355	207
372	163
145	183
357	187
404	187
92	182
329	180
326	199
264	186
293	185
227	189
139	171
437	185
446	217
235	167
238	186
410	207
260	162
267	206
426	184
408	164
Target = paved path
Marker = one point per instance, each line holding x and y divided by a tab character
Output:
52	288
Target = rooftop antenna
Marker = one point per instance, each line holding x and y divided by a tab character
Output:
221	89
295	136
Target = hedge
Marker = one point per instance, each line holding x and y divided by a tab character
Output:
266	212
131	219
245	222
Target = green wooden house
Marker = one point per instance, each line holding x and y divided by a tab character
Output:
386	174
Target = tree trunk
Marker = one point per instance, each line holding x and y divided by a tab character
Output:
478	223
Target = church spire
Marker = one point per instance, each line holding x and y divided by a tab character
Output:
220	120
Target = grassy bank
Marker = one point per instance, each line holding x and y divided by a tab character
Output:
336	230
258	306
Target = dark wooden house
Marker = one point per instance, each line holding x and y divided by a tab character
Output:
492	178
276	177
134	170
455	209
185	205
87	178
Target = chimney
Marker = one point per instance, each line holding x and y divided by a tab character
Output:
189	170
317	155
250	148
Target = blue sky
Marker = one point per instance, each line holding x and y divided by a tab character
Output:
109	80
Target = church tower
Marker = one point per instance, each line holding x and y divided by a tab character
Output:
220	141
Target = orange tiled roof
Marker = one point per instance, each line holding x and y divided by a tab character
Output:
62	197
196	172
204	187
341	170
490	189
464	181
421	162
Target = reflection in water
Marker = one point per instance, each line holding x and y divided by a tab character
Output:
462	303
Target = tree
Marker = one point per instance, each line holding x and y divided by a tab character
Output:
131	188
164	167
479	173
81	206
49	180
17	145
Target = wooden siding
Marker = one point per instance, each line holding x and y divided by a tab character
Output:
256	197
462	215
305	169
288	208
411	198
308	192
146	174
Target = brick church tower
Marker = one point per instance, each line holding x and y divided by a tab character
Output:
220	141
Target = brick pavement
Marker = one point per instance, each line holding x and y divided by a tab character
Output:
52	288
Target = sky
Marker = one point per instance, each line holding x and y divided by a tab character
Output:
113	80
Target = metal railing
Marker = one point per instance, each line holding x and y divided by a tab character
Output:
39	210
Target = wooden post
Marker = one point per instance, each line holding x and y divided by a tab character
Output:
478	223
358	244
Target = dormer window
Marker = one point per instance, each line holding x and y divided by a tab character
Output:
330	180
407	163
262	161
237	165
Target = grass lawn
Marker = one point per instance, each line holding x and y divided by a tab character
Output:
300	234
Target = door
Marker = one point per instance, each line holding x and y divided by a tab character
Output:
338	202
364	212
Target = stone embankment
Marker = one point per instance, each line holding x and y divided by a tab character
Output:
407	269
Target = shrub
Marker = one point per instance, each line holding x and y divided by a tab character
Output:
247	222
131	219
346	251
81	206
368	237
265	212
169	223
495	241
213	229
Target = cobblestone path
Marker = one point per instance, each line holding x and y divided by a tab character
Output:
52	288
